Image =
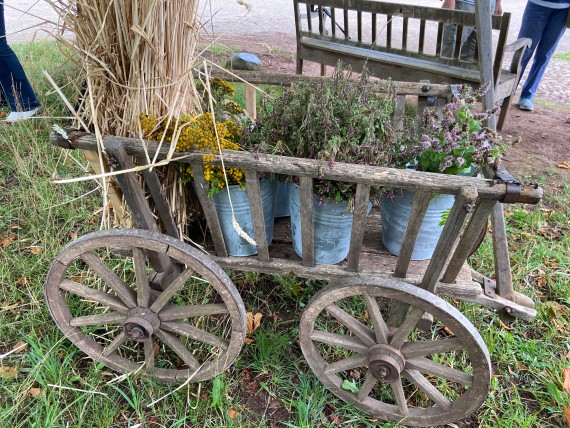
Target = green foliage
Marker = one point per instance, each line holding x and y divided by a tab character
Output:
454	139
337	119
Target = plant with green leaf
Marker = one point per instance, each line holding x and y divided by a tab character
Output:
454	139
336	119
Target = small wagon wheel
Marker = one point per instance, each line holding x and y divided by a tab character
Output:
100	291
418	377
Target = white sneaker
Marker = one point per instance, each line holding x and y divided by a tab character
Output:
20	115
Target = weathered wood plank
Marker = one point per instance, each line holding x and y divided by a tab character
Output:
257	215
202	187
307	227
405	179
419	208
477	222
361	201
160	201
448	236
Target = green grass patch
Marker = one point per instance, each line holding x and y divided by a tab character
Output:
51	383
564	56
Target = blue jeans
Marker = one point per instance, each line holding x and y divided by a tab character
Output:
545	27
468	36
13	80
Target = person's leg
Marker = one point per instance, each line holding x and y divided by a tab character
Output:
533	26
448	40
469	50
553	32
13	80
450	32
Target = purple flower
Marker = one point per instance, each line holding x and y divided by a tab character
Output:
459	161
446	163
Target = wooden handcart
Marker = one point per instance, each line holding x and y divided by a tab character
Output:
139	300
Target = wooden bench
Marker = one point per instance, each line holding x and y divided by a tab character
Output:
401	42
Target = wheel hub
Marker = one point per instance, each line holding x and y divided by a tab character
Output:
141	323
385	363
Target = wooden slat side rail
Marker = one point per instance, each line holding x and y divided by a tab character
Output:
286	80
389	177
450	232
208	207
419	208
257	215
307	227
477	222
361	201
135	198
160	201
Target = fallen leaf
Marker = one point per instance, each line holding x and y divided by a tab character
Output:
233	413
563	165
253	321
567	413
249	340
8	372
7	240
34	392
19	347
22	281
35	250
335	420
566	377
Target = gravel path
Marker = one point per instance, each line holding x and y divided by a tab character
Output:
28	20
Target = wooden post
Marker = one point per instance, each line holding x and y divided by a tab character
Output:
485	50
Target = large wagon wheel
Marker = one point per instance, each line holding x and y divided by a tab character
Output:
101	293
419	377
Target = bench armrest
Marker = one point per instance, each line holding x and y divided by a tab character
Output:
524	42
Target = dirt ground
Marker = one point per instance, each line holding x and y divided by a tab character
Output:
542	137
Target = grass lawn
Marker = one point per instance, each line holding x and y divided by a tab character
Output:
45	381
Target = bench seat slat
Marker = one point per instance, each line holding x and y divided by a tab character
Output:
316	49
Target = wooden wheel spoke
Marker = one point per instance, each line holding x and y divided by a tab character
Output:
171	290
365	334
422	349
94	295
178	347
400	396
341	341
100	319
196	334
149	354
349	363
115	344
111	279
143	286
367	386
406	328
431	391
430	367
172	313
380	327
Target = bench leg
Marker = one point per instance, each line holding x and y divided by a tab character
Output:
503	113
299	65
323	70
